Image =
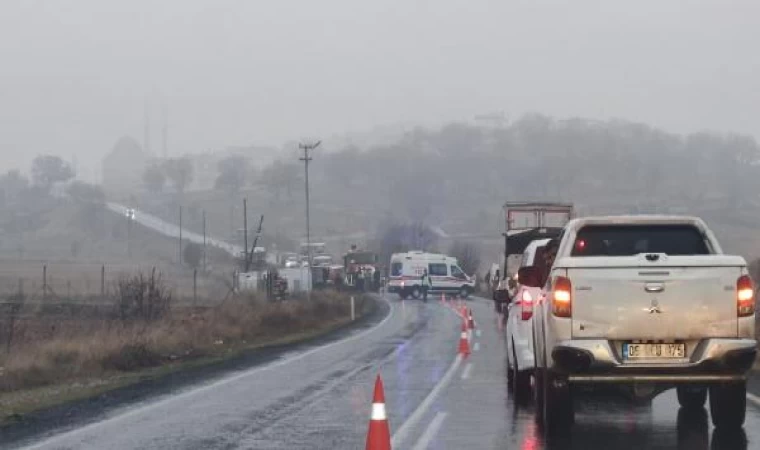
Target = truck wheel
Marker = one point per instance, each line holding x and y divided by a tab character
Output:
559	411
520	380
691	397
464	292
538	393
416	293
510	374
728	404
537	379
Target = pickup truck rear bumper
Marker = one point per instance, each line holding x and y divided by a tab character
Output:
595	361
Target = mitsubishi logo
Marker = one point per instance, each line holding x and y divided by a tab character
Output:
655	308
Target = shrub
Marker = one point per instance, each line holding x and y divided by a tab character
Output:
141	297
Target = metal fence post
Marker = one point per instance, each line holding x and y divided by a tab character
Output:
44	282
195	286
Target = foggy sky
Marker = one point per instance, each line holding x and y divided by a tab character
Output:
75	74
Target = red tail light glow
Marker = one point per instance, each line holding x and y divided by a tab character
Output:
562	297
526	301
745	296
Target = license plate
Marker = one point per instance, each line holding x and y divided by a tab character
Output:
654	351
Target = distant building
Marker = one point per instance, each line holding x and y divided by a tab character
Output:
124	166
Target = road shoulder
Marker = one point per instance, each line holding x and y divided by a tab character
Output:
154	385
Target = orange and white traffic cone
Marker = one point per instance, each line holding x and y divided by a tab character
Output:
379	434
470	320
464	342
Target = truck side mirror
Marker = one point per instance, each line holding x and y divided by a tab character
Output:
529	276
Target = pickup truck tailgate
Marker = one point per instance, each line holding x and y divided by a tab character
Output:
675	298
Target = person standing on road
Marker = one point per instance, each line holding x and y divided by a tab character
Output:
426	284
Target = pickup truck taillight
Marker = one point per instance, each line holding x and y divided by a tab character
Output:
526	303
745	296
562	298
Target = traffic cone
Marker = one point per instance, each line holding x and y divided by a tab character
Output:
464	343
470	320
379	434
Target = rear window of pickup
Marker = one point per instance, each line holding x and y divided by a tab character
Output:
628	240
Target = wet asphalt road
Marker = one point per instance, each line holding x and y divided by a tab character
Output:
320	398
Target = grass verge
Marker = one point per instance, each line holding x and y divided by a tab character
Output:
75	366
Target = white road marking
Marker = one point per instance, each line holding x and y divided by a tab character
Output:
478	332
400	435
222	382
754	399
476	347
466	371
430	431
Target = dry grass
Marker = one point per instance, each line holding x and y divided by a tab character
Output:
94	349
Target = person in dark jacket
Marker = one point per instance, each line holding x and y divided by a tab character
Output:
426	284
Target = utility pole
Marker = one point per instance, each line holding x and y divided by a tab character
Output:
306	158
245	234
232	222
165	132
180	235
146	126
129	235
249	261
204	240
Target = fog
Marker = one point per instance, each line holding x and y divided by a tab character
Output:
76	75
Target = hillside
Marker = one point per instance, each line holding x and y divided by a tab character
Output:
457	177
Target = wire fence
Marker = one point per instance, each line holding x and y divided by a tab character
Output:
39	282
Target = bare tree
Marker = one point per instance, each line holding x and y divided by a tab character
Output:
281	177
467	254
50	169
180	172
12	184
396	238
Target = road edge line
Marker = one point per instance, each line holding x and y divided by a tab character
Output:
466	371
754	399
400	435
131	411
435	425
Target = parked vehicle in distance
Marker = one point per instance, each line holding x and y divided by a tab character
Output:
644	303
519	329
362	269
322	260
406	271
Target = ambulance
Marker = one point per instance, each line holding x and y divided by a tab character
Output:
446	276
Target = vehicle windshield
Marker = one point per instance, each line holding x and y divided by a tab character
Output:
616	240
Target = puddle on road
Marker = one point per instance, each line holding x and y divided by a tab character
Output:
616	425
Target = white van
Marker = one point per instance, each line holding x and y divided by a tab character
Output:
445	275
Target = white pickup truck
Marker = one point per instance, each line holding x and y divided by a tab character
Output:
644	303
